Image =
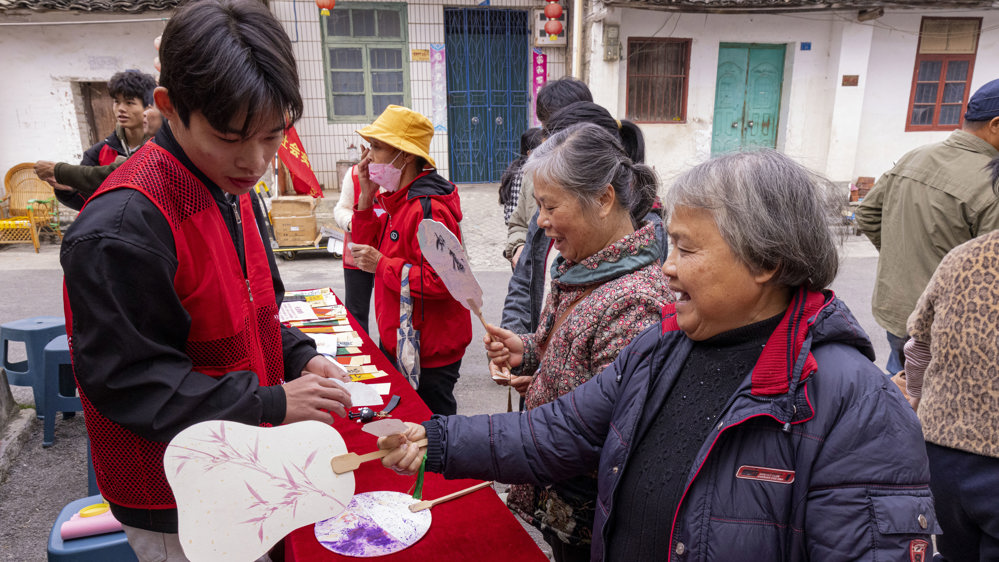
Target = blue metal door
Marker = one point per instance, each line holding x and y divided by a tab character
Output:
488	101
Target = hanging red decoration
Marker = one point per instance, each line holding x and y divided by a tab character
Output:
325	6
553	28
553	11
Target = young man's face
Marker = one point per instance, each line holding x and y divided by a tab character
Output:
128	111
234	163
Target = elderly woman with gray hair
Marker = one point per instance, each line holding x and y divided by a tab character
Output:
749	424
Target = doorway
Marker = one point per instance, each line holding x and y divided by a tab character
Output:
488	100
98	110
747	96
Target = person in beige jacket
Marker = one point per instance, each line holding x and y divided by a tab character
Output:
936	197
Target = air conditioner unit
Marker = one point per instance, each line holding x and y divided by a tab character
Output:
541	38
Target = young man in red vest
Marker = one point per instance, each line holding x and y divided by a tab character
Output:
172	296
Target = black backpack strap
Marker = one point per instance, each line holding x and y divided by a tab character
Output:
425	203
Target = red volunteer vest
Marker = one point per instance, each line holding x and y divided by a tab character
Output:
234	319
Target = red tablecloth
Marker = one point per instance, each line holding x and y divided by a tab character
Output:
477	526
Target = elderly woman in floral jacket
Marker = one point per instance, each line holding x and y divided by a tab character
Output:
607	286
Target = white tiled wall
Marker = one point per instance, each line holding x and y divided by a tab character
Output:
327	142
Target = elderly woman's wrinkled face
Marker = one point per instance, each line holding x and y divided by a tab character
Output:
566	221
715	292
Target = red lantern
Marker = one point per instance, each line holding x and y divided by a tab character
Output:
553	11
325	6
553	28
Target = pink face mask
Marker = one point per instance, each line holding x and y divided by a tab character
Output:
386	175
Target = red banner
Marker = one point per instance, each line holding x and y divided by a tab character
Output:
292	155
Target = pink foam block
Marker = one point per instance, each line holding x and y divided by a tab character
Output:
78	526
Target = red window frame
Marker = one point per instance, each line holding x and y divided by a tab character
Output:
945	59
630	109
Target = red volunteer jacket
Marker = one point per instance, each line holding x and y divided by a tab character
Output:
445	325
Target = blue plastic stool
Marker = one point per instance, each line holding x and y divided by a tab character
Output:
58	367
112	547
35	333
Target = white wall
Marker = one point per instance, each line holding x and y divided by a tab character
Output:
673	148
327	142
882	134
840	131
38	113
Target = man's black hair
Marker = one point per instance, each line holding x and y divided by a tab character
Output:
229	59
132	84
557	94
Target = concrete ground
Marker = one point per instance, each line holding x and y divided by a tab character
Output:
41	481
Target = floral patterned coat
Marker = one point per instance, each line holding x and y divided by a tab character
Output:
627	291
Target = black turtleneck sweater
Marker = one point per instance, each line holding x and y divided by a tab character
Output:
656	472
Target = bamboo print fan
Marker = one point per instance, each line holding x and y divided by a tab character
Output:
240	488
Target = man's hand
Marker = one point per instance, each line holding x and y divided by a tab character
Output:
313	397
404	458
323	367
365	257
45	170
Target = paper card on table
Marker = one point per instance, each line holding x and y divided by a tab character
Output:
342	328
354	360
296	311
351	350
349	339
382	388
359	369
381	428
361	394
323	296
326	343
368	376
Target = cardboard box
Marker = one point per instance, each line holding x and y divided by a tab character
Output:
864	185
295	231
293	206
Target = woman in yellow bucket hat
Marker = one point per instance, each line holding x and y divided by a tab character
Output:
398	160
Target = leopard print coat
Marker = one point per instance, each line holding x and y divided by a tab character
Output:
958	316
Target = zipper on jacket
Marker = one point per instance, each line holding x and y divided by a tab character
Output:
248	290
235	211
722	428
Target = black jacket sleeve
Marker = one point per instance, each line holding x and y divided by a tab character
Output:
130	329
91	156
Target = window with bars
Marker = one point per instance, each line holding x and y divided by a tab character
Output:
364	52
941	80
657	79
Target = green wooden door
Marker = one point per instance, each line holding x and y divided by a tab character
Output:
747	96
